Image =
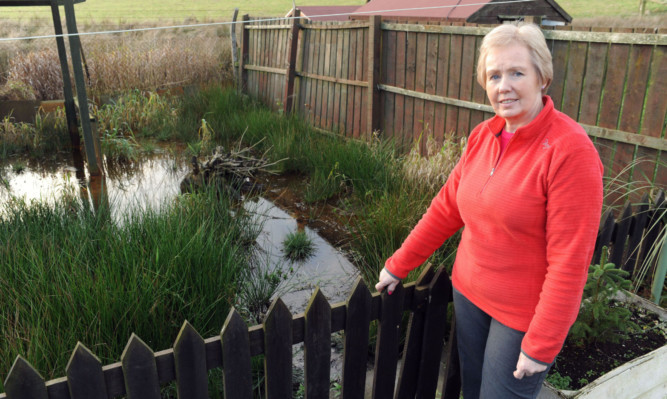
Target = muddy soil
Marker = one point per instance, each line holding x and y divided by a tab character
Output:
585	364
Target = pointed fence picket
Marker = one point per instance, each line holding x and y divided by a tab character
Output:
141	372
631	237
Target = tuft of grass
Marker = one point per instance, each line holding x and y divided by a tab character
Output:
92	280
297	246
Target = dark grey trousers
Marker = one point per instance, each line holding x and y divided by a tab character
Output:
489	352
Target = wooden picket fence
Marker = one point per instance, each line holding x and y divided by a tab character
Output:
410	80
630	236
141	372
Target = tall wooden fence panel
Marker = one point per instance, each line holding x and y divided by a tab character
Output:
414	80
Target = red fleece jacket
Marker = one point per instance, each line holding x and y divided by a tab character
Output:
530	219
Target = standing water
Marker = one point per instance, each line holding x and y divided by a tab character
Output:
152	182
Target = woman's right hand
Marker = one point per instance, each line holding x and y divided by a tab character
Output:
386	280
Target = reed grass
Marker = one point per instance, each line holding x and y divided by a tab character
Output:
68	275
116	63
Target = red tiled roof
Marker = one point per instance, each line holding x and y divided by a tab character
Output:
455	9
329	11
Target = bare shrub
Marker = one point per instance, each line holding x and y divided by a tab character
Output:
430	172
39	69
119	62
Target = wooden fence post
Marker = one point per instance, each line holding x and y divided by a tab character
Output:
374	68
190	363
235	50
245	38
236	363
290	76
24	382
140	370
278	351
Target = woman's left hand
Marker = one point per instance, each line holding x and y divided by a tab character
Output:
527	367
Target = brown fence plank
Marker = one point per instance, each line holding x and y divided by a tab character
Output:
410	78
441	86
319	85
576	64
478	93
399	113
467	79
453	87
24	382
431	79
604	235
373	76
656	100
317	346
357	323
362	96
236	367
621	236
190	363
352	74
389	78
344	73
592	85
407	382
338	88
637	80
278	351
140	371
418	124
332	85
560	51
386	352
435	328
613	86
451	387
326	86
636	234
85	377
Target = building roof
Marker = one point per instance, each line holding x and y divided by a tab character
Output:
446	9
332	12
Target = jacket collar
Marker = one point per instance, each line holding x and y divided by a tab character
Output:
496	124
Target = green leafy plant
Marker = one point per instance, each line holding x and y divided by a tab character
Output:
599	320
298	246
559	381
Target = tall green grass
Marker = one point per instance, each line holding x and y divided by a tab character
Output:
366	180
68	274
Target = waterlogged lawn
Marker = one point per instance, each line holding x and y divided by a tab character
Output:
69	274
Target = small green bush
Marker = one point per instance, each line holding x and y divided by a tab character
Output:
598	320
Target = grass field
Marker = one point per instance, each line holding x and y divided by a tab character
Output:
128	11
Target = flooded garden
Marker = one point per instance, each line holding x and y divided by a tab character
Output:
97	258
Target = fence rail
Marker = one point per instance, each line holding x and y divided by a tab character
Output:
141	372
410	80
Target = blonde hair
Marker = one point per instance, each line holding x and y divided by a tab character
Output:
526	34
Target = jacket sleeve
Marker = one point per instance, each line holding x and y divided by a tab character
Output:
441	220
574	202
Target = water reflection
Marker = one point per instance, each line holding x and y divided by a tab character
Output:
328	268
152	183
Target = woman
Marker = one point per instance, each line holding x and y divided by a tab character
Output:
528	194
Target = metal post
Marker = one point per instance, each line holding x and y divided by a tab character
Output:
70	110
75	53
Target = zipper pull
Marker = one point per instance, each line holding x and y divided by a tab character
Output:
492	170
